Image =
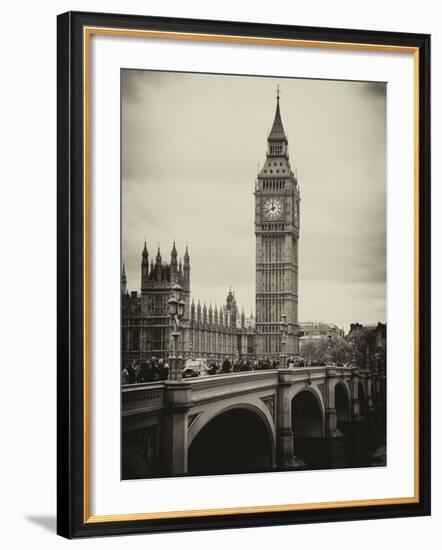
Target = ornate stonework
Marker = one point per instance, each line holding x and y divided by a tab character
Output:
269	402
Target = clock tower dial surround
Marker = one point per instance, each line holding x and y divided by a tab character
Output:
277	220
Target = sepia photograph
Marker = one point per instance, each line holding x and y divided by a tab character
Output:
253	274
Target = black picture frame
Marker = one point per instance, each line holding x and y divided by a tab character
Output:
72	392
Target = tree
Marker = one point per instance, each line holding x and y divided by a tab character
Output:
317	350
365	340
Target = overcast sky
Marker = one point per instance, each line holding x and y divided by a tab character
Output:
191	145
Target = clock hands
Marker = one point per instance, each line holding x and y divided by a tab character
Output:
272	208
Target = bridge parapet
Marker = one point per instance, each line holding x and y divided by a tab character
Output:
142	398
147	398
230	384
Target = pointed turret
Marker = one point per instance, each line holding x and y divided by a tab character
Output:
231	307
158	261
174	263
198	312
204	313
243	319
192	311
210	313
123	281
230	299
186	269
144	268
145	254
216	315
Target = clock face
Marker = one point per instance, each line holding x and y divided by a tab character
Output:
272	208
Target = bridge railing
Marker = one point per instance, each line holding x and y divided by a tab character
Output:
228	383
138	398
149	397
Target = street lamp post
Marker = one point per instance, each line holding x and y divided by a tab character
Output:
176	311
329	357
283	328
353	353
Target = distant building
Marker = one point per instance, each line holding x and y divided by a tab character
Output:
312	331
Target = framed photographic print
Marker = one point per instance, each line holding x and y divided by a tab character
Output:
243	274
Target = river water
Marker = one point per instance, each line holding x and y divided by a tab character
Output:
356	445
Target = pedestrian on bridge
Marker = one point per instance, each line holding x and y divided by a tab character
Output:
227	365
124	377
131	376
146	373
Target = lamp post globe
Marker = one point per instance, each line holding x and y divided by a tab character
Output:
173	306
181	306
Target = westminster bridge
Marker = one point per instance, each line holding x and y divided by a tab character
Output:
251	421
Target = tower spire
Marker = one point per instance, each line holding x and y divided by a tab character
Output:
144	267
277	132
174	263
123	281
186	269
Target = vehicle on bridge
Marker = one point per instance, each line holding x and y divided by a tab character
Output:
194	367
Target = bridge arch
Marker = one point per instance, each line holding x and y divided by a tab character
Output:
308	413
237	438
342	403
308	424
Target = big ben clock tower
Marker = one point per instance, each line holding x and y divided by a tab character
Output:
277	234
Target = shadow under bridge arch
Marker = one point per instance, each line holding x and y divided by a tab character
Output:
236	440
308	425
342	405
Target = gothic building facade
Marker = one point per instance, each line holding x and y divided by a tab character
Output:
205	332
216	332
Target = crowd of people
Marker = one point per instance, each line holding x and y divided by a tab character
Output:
139	371
247	364
157	370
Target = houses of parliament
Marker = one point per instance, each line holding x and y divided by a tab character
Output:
208	331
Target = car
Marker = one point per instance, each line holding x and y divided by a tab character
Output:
194	367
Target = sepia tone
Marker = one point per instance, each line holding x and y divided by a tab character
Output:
219	382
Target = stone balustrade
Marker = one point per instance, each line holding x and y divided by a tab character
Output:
143	398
